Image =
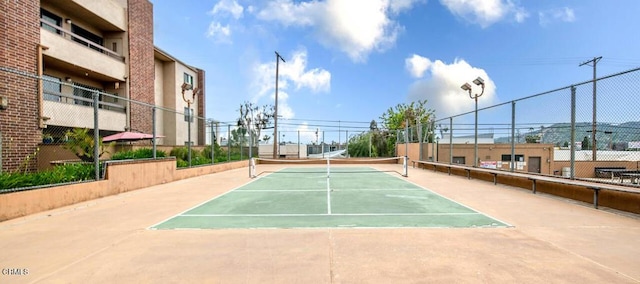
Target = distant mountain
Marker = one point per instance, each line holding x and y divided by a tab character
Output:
607	134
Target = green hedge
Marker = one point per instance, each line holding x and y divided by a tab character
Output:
143	153
58	174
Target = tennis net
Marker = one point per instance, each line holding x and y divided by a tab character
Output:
328	166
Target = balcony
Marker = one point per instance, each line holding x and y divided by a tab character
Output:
75	111
75	51
106	15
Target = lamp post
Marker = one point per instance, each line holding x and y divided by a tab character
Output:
189	101
480	82
275	114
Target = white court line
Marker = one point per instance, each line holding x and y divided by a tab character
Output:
379	189
281	190
330	214
200	204
456	202
328	196
334	189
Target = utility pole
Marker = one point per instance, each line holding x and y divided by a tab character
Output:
275	115
594	146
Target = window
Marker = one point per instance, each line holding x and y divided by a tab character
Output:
458	160
188	79
85	92
86	36
51	88
51	21
114	47
507	158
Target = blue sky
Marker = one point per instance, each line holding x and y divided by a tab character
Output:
350	60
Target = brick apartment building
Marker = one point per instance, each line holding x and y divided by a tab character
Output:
101	45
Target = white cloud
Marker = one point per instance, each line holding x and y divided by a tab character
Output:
355	27
485	12
560	14
219	32
316	79
227	7
293	76
417	65
442	88
307	135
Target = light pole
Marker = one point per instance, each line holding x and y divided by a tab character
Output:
480	82
275	114
189	101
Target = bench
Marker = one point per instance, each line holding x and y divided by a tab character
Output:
633	176
534	178
608	172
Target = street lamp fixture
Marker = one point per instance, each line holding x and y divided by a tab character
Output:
194	92
467	87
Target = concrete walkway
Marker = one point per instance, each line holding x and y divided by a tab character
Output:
107	240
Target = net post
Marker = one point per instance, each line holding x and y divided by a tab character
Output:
328	168
405	166
252	168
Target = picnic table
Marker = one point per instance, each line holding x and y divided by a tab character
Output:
615	172
633	177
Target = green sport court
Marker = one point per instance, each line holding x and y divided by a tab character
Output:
329	197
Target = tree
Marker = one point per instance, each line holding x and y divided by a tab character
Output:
256	118
373	126
396	118
585	143
237	137
359	145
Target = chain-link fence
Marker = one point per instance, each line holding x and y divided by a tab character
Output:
572	131
575	131
47	130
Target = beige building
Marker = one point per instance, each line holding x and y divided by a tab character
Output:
170	75
83	47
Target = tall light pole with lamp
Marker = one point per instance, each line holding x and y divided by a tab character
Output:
275	113
189	101
480	82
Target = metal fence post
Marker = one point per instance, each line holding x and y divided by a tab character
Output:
250	140
512	166
419	125
189	117
153	120
450	140
323	144
229	143
298	144
96	137
406	138
0	152
573	131
346	142
213	143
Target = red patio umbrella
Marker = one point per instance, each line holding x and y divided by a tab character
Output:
129	136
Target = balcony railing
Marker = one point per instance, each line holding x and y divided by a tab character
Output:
77	100
81	40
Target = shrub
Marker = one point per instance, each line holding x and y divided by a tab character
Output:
143	153
82	144
181	153
59	174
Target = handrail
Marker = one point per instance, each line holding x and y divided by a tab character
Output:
85	41
117	106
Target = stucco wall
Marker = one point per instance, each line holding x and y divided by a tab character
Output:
121	177
619	200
